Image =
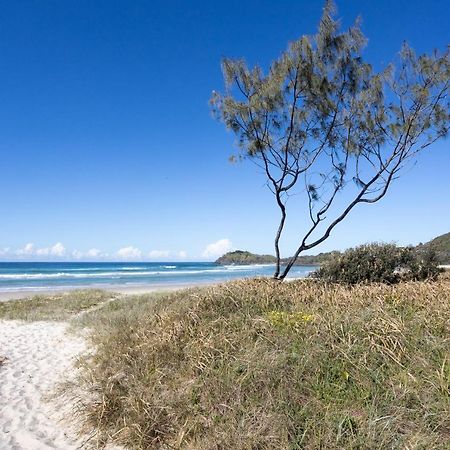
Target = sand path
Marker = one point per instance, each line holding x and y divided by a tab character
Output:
39	355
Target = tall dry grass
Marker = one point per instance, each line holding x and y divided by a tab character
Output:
259	364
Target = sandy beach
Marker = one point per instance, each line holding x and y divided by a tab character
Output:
37	356
34	358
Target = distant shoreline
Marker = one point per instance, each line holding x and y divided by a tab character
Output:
124	289
21	280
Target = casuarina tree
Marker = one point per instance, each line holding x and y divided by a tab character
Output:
323	123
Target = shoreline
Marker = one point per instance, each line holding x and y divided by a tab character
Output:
124	289
31	279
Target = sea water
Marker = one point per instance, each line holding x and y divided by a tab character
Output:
35	276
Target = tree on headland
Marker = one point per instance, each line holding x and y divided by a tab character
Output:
322	122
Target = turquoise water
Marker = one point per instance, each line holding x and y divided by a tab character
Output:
56	276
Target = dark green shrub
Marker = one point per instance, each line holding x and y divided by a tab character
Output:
424	264
377	262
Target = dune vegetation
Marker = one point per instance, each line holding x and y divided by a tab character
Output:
61	306
259	364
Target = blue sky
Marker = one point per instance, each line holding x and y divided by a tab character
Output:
108	145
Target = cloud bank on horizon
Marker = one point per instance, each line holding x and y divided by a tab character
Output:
59	252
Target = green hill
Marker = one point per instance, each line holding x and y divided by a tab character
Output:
241	257
441	245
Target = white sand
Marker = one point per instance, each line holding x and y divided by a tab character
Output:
39	355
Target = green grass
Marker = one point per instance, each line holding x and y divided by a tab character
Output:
56	307
259	364
125	307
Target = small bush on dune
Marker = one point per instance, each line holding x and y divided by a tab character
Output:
383	263
259	364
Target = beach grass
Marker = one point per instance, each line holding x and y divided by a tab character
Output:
117	309
259	364
56	307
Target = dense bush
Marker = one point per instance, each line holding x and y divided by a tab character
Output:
384	263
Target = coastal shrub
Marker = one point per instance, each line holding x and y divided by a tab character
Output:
259	364
377	262
424	264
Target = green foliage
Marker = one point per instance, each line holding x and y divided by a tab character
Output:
424	264
293	321
384	263
244	257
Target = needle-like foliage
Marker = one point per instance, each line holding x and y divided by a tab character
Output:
322	118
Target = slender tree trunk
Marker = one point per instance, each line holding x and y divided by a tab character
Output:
289	266
278	236
287	269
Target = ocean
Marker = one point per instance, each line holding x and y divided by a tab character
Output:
46	276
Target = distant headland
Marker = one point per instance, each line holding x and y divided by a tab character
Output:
241	257
440	244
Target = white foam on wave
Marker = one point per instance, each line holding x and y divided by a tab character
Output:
135	272
81	269
45	276
117	274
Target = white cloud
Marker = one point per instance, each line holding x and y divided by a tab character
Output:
27	250
93	253
30	250
217	248
56	250
159	254
129	253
